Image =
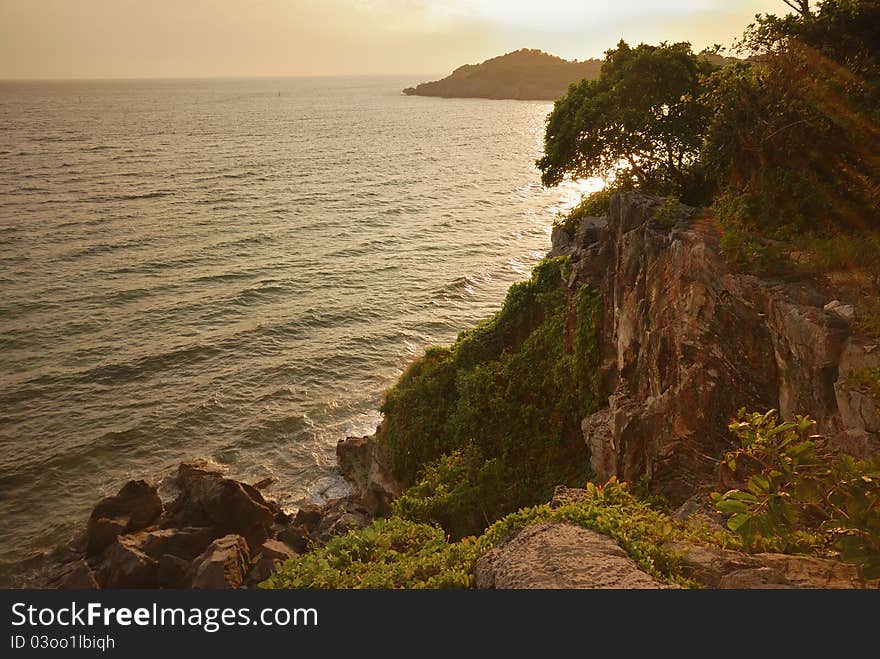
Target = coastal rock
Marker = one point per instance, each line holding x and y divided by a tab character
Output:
724	568
364	463
124	565
686	343
208	498
186	543
224	564
271	554
134	507
173	572
78	576
554	555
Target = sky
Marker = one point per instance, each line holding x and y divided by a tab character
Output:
242	38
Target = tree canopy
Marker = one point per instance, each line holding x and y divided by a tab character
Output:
642	122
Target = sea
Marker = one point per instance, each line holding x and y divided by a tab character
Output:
237	270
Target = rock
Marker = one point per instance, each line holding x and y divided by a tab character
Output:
224	564
207	498
844	311
296	536
124	565
309	517
560	242
103	531
724	568
277	550
186	543
265	482
364	463
685	343
173	572
341	516
563	495
271	554
78	576
135	506
600	440
555	555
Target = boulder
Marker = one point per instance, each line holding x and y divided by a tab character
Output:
224	564
271	554
77	576
124	565
724	568
556	555
186	543
173	572
208	498
296	536
135	506
341	516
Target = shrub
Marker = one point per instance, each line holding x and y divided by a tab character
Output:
595	204
513	389
397	553
459	491
798	491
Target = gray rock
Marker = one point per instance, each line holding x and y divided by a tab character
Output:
553	555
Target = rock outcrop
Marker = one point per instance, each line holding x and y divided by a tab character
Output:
723	568
686	343
217	532
553	555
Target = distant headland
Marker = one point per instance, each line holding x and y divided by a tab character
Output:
525	74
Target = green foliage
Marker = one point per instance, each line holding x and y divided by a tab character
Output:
459	491
667	214
866	380
795	134
595	204
390	553
512	391
641	123
839	251
798	491
397	553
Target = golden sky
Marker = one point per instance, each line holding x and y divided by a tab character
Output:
206	38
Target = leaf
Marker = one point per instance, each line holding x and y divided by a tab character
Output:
731	506
759	484
736	522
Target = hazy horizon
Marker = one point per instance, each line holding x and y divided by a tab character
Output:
125	39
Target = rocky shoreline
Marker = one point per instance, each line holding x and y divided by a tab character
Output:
216	532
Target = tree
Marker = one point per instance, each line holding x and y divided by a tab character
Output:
641	123
794	136
800	6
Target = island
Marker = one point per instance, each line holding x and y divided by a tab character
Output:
525	74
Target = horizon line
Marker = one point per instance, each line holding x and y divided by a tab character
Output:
213	77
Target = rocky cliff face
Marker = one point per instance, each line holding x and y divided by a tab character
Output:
686	343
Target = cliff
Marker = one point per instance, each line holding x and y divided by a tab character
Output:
686	343
522	75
